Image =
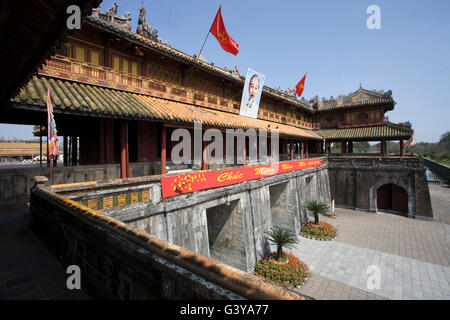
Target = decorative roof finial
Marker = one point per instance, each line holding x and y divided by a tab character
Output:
144	28
113	10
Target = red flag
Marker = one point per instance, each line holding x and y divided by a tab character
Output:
300	86
220	32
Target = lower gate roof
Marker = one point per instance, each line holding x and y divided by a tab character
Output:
388	131
69	97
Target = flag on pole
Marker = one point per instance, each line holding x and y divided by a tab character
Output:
220	32
300	86
51	134
410	142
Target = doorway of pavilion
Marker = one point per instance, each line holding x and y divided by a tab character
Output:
392	198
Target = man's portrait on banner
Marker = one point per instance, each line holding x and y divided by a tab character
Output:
251	95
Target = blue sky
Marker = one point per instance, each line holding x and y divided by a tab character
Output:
409	55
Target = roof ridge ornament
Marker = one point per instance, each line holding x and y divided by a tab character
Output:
144	29
111	16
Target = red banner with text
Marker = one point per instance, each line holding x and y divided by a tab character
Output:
186	183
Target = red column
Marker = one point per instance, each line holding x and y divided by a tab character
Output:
306	149
124	155
383	146
163	149
402	148
292	149
350	147
301	149
342	147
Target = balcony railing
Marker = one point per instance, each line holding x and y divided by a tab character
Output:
63	67
67	68
370	160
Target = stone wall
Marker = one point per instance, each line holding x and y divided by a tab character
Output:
118	261
237	215
16	182
354	182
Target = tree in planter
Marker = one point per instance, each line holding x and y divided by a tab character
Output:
317	207
280	238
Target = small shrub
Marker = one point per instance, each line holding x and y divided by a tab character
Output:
281	238
322	231
288	271
317	207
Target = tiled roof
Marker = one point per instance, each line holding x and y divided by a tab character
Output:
84	99
368	97
179	55
388	130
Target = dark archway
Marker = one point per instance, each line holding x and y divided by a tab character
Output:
391	197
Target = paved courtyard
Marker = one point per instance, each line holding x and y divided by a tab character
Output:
412	255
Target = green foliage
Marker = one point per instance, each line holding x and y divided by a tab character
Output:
406	124
323	231
439	152
317	207
445	138
290	272
361	147
281	238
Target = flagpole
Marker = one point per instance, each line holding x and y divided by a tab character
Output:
48	149
207	35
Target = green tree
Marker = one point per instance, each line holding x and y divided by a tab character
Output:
317	207
445	138
281	238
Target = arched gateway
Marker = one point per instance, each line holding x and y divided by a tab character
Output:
392	195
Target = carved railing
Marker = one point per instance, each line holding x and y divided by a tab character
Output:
375	161
66	68
63	67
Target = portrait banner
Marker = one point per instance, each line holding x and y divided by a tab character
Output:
251	95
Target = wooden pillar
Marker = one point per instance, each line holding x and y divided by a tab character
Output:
124	153
306	149
350	146
301	149
343	143
163	149
244	153
292	149
402	148
383	146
